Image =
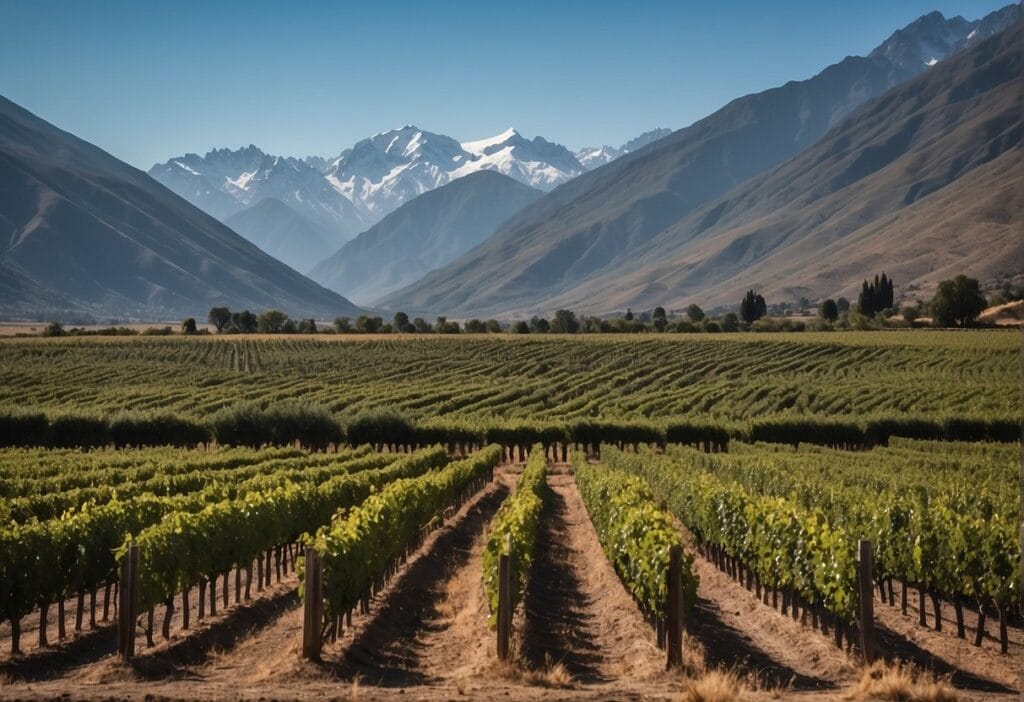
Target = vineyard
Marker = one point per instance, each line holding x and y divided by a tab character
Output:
283	516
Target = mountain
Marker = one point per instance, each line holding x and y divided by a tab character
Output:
596	224
391	168
924	183
223	183
282	232
345	195
424	233
593	156
82	230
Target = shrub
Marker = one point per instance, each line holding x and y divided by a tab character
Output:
79	431
19	428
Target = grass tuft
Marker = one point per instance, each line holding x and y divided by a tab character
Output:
902	683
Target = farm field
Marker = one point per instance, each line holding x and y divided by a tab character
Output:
407	535
722	376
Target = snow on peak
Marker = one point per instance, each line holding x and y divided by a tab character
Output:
932	61
480	145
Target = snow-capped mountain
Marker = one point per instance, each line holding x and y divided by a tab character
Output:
593	156
391	168
225	182
347	194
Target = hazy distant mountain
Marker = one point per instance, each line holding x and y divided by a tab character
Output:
424	233
224	182
343	196
283	233
86	231
593	156
595	226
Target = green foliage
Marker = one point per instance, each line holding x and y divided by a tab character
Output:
271	322
516	524
565	322
137	430
219	317
957	302
875	297
187	546
53	329
244	322
188	326
829	311
635	533
359	543
752	307
250	424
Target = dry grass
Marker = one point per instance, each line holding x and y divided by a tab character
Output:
553	675
898	681
701	684
715	686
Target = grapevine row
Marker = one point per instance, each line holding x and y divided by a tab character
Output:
516	526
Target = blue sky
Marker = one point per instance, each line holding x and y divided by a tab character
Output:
151	79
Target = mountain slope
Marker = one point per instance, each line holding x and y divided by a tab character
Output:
424	233
596	224
345	195
282	232
223	183
592	157
89	229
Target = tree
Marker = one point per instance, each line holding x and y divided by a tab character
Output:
343	325
422	326
695	313
219	317
493	326
244	322
368	325
54	329
289	327
539	325
565	322
520	328
843	305
753	307
188	326
876	296
475	326
271	322
629	315
957	302
307	326
448	327
829	310
730	322
911	313
400	321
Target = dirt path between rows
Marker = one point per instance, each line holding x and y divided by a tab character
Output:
975	668
577	611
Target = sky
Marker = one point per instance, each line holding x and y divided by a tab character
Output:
153	79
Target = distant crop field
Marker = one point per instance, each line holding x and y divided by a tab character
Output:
742	376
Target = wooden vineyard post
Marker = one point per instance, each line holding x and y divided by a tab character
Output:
505	600
674	618
312	612
866	594
128	604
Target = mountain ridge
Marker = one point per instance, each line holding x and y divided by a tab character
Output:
595	224
97	234
422	234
